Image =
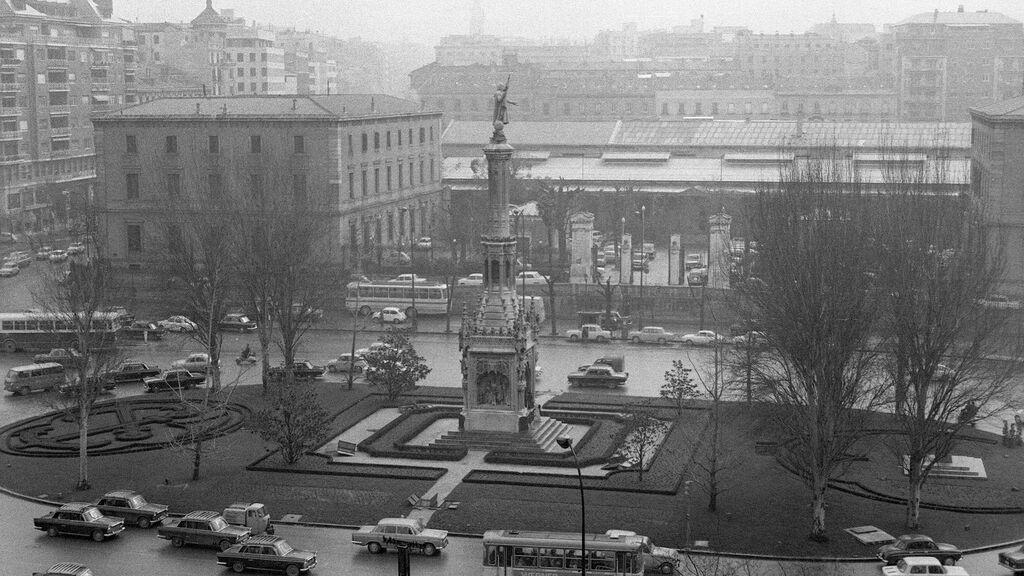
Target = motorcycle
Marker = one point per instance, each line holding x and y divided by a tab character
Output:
250	359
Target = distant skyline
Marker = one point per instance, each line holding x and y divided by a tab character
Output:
426	21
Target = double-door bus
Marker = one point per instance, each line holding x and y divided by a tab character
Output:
369	297
39	331
528	553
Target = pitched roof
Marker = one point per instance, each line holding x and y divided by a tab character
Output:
959	18
1012	108
470	133
283	107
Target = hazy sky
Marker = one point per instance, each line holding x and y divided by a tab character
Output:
425	21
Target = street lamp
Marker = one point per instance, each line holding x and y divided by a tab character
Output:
518	213
355	330
412	264
686	496
643	263
565	443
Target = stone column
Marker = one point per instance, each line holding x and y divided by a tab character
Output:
719	250
581	226
625	258
675	260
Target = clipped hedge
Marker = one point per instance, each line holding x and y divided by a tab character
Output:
390	440
591	450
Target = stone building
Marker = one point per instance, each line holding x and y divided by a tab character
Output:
60	62
375	160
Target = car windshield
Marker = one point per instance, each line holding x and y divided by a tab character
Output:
283	548
218	524
138	501
92	514
243	319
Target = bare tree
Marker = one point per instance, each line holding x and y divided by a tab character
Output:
713	459
936	266
555	202
200	430
293	418
643	434
817	308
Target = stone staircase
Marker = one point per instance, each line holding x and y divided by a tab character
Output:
540	437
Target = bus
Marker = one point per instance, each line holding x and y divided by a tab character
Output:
369	297
527	553
38	331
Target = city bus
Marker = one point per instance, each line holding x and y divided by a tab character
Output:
37	331
369	297
528	553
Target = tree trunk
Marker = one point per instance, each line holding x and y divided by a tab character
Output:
197	457
915	483
83	444
819	490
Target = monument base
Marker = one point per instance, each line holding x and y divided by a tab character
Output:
493	420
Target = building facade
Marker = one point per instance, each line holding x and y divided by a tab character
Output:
373	160
60	63
997	133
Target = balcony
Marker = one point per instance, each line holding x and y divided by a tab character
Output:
62	131
58	86
13	157
56	64
11	86
100	86
12	111
11	61
13	135
99	64
60	109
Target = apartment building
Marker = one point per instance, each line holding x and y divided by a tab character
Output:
60	63
374	162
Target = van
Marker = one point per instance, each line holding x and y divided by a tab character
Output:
24	379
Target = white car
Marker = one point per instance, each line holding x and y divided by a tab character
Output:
702	338
342	363
9	269
389	315
424	243
912	565
375	347
651	335
408	278
177	324
693	261
471	280
198	362
76	248
58	256
531	277
589	332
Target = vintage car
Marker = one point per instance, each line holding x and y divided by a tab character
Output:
918	545
589	332
407	531
651	335
922	565
471	280
9	269
131	371
1013	560
656	558
199	362
252	515
202	528
303	370
174	379
236	323
342	363
598	375
177	324
62	356
271	553
79	519
132	507
143	331
702	338
73	385
389	315
66	569
76	248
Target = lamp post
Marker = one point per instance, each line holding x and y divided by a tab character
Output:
412	264
379	247
643	264
565	443
518	213
686	495
355	330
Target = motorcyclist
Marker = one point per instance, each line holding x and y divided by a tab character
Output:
246	352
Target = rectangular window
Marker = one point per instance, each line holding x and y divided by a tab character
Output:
300	145
131	186
400	175
376	180
299	188
350	149
133	237
130	145
423	135
364	183
433	176
256	186
389	139
171	145
173	185
352	185
213	181
364	142
214	145
410	136
431	133
376	140
411	183
389	177
255	144
421	172
399	137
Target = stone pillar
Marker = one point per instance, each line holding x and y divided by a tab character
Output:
581	236
719	250
675	260
625	258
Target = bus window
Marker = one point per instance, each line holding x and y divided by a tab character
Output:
601	561
572	559
436	294
31	325
524	557
551	557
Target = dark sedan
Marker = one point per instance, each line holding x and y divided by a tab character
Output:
918	545
79	519
132	507
143	331
267	553
177	379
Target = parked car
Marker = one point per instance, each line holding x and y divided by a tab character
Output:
589	332
198	362
303	370
177	324
697	277
616	362
702	338
692	261
374	347
640	262
912	565
143	330
73	385
342	363
19	259
1014	560
471	280
754	338
656	558
395	258
531	278
271	553
202	528
66	569
174	379
408	278
651	335
130	371
58	256
44	252
999	301
598	375
424	243
918	545
76	248
79	519
236	323
252	515
8	269
389	315
132	507
62	356
392	531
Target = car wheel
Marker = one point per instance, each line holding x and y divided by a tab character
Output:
292	570
949	561
51	532
97	536
177	542
10	346
143	523
23	391
636	339
601	339
224	545
666	568
661	341
238	566
410	312
688	342
331	368
374	548
574	337
365	310
429	549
